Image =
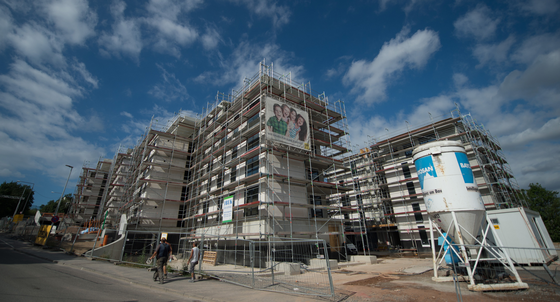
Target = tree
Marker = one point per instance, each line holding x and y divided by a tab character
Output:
50	207
547	203
14	189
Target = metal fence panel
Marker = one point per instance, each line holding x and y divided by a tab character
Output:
288	266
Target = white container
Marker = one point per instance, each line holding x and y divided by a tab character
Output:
448	184
525	230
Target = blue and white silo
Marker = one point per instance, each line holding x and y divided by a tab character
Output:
448	185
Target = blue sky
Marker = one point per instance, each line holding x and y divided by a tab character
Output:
80	78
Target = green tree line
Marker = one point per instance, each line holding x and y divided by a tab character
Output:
50	207
20	191
547	203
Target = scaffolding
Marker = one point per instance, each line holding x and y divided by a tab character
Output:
279	190
90	189
390	214
176	179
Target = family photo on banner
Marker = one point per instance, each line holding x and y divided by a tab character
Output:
287	124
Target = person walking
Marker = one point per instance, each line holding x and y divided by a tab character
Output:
193	259
162	253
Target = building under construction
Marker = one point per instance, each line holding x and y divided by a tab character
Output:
90	189
252	166
390	210
271	161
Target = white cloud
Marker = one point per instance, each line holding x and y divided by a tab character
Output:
413	4
124	113
37	44
55	24
521	110
210	39
171	31
541	167
37	121
459	79
339	69
521	102
5	26
522	113
549	131
371	79
72	18
365	128
539	83
430	108
488	53
383	4
125	37
168	31
245	61
134	128
534	46
539	7
408	5
39	87
7	173
483	102
477	23
170	89
86	75
268	9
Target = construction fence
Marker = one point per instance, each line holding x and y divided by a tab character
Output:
289	266
296	266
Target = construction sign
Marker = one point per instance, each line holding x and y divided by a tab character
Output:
227	215
18	218
43	234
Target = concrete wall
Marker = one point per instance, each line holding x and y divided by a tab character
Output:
113	250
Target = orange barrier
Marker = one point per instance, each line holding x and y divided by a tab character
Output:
105	239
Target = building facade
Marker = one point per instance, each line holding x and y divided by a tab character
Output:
271	160
390	209
252	166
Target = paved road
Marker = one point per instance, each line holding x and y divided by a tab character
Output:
27	278
31	273
109	282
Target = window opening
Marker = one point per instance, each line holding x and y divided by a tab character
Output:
252	166
253	141
251	195
316	200
417	213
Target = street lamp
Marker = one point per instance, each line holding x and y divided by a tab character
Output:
62	195
32	186
23	193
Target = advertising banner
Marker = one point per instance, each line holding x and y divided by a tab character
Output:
227	215
287	124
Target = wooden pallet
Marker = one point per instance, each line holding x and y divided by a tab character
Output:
210	257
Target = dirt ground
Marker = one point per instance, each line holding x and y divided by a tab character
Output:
394	287
79	247
388	281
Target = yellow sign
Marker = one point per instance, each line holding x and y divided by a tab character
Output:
497	226
43	234
18	218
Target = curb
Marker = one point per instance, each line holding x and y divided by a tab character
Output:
122	279
34	255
